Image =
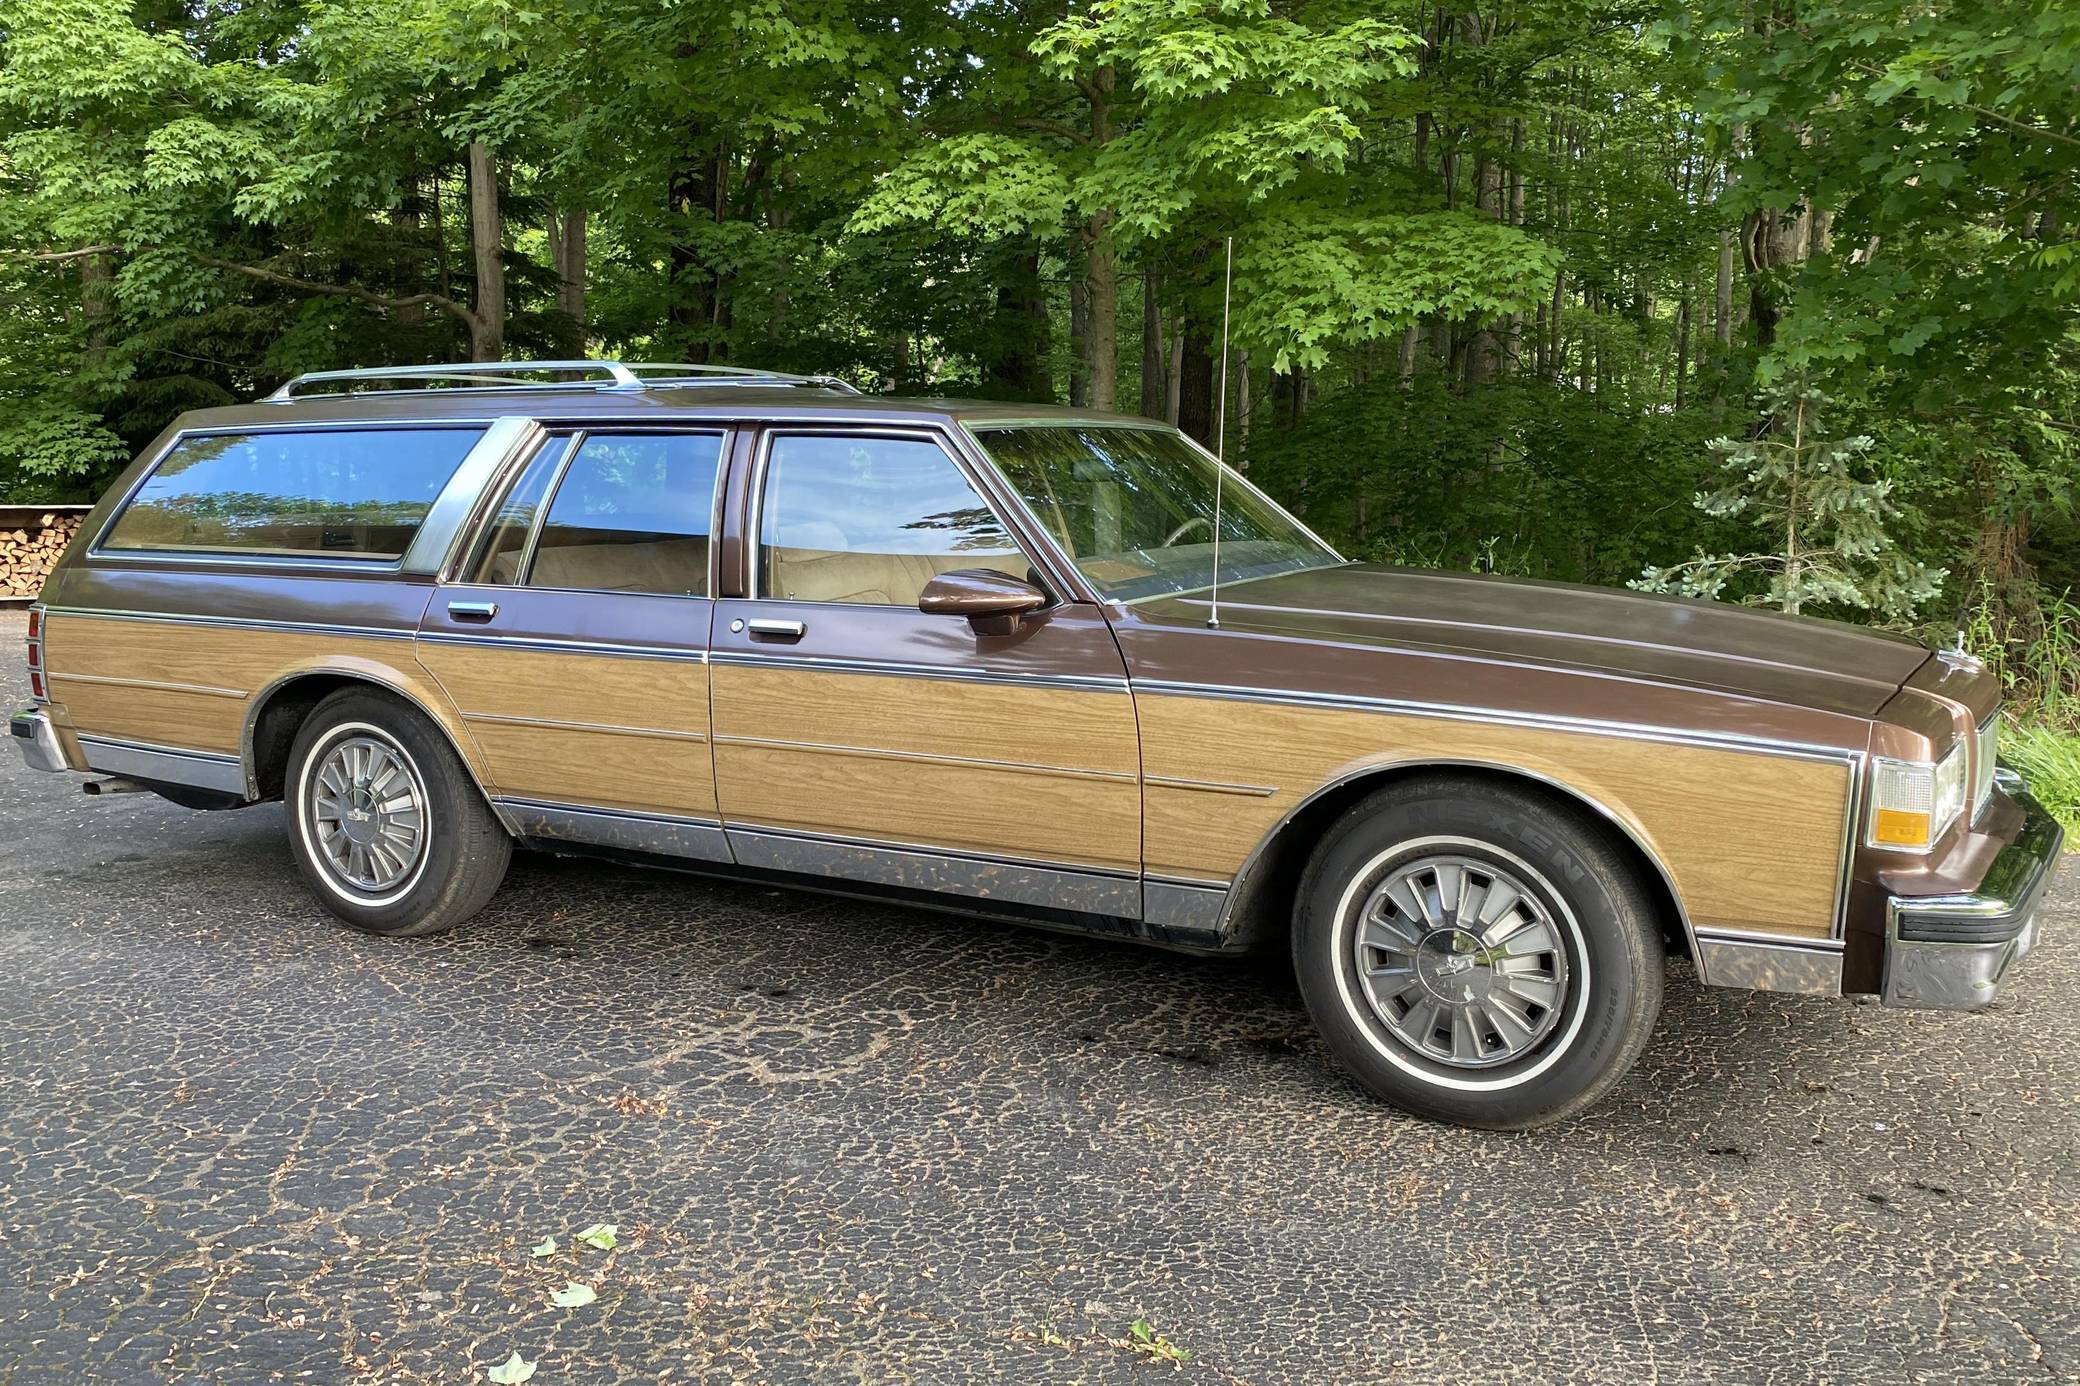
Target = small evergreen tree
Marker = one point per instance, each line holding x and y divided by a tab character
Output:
1824	524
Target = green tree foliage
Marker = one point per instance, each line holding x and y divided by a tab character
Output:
1500	271
1825	524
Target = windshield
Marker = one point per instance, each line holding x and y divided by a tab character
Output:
1133	507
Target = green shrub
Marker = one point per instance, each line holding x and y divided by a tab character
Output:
2050	760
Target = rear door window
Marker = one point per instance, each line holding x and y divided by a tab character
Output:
626	512
320	492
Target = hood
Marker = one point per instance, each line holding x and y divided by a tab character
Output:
1825	665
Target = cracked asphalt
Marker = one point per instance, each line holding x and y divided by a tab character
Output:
844	1142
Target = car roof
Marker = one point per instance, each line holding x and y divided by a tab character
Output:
660	403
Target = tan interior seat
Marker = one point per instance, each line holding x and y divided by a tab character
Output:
886	579
673	566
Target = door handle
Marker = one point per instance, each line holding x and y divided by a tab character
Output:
778	630
473	611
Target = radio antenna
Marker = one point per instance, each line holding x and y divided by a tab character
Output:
1220	438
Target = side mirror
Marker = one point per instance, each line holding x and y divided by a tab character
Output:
993	603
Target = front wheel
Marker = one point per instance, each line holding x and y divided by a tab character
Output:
385	823
1477	954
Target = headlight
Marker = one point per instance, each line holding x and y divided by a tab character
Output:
1913	803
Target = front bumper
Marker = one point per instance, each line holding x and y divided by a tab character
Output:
1953	952
38	740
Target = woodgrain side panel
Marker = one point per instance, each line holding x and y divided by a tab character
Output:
1753	841
189	686
1002	769
1077	728
614	731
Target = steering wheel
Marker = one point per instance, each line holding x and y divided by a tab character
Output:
1184	529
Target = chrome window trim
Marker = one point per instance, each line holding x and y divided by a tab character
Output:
434	546
98	553
551	484
970	429
755	504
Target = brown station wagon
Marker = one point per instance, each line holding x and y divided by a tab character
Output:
1039	664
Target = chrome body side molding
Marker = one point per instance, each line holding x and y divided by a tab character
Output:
1770	965
1195	908
166	764
692	839
1077	889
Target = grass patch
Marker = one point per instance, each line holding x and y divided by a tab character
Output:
2049	759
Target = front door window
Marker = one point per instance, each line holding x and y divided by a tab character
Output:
871	520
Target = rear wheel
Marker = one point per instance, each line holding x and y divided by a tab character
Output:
1477	954
384	821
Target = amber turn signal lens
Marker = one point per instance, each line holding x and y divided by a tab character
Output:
1899	828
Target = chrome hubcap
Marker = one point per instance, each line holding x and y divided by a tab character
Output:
368	813
1460	961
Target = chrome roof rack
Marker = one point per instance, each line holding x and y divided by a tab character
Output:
515	375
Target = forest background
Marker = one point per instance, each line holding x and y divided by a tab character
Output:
1772	300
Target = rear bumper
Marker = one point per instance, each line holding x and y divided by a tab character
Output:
1954	952
38	740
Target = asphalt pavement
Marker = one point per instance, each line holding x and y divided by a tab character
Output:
847	1142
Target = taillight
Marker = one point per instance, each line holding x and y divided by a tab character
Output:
37	689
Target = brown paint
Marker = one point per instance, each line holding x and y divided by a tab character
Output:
1725	740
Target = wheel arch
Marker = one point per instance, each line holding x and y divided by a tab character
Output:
275	712
1271	872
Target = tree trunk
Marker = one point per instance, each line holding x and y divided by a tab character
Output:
1016	367
1079	340
1101	304
567	252
1722	306
1101	270
96	299
1682	347
1239	428
1197	384
487	329
697	192
1155	384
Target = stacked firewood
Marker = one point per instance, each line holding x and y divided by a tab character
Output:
28	553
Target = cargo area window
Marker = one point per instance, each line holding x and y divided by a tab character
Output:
609	512
319	492
871	521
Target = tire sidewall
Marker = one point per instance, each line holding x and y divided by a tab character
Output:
1592	904
340	716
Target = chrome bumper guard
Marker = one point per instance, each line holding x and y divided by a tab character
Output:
38	739
1953	952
